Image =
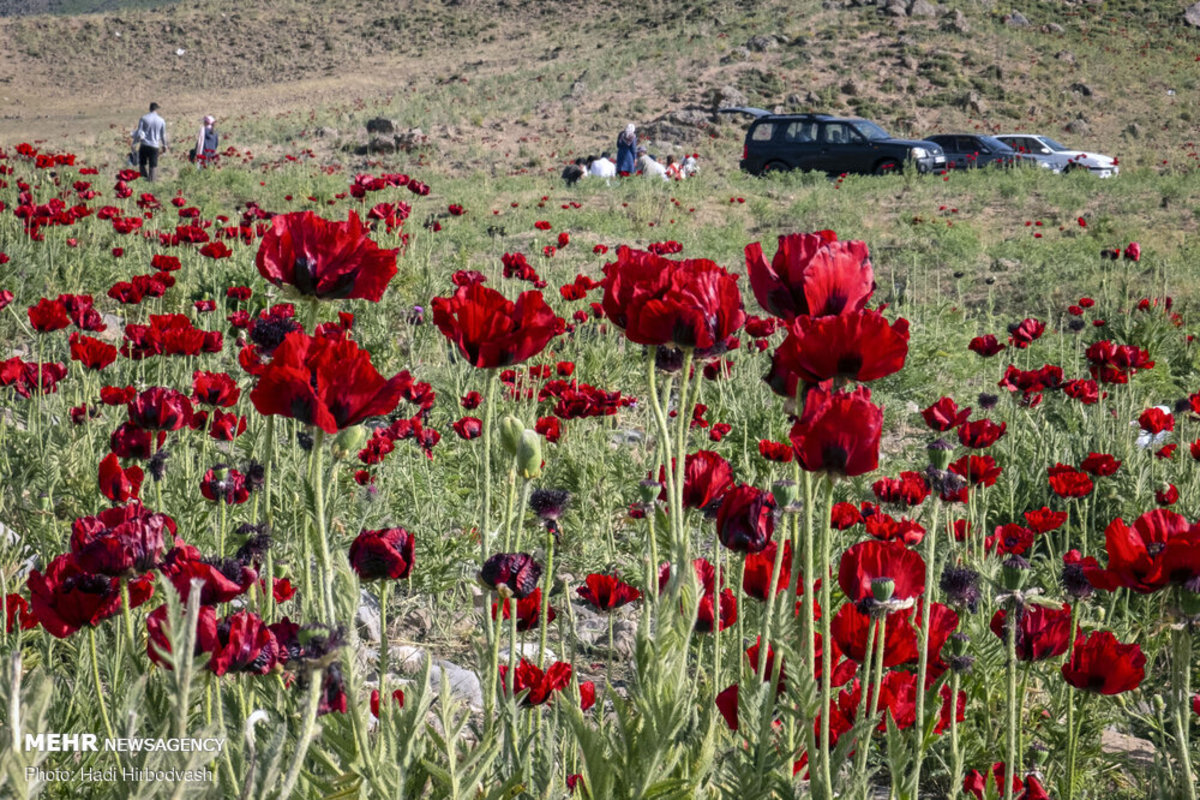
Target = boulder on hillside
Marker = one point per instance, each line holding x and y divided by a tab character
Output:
410	140
381	144
922	8
956	21
381	125
727	96
1078	126
1192	15
1082	88
1016	20
735	55
761	44
679	126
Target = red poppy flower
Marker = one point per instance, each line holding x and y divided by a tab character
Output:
845	515
691	304
977	470
492	332
706	614
607	592
980	434
244	644
469	427
1101	664
160	409
1026	332
221	580
860	345
48	315
379	554
1100	464
511	573
66	597
910	489
529	610
745	519
323	259
1167	496
945	415
757	569
1154	421
1149	555
331	385
1044	520
158	641
1042	632
985	346
92	353
214	389
548	427
811	274
119	484
121	541
839	432
775	451
1133	252
17	615
226	427
540	685
867	561
1066	481
397	698
1010	539
707	477
852	632
223	484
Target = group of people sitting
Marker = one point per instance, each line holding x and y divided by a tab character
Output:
632	159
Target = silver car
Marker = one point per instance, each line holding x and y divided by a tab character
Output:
1059	157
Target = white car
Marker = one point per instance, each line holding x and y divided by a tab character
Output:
1059	157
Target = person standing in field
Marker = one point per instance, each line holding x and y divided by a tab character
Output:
627	150
150	138
207	142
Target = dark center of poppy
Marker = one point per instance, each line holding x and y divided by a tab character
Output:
1095	682
834	457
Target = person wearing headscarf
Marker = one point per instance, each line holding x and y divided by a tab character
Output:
207	142
627	150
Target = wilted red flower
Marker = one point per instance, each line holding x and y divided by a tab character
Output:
1102	465
691	304
838	433
910	489
121	541
945	415
1133	252
607	592
980	434
745	519
811	274
221	484
221	579
329	384
1042	632
491	331
529	610
119	484
864	562
985	346
323	259
244	644
860	345
1066	481
1044	520
539	684
1099	663
1027	331
511	573
379	554
17	615
66	597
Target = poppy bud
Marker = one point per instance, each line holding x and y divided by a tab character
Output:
1014	572
940	452
882	589
511	429
787	495
351	440
1189	597
648	490
529	455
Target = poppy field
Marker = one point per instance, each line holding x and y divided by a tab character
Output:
400	485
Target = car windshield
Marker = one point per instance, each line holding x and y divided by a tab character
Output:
870	130
995	144
1053	145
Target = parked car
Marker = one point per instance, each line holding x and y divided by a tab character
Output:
965	151
1060	157
824	143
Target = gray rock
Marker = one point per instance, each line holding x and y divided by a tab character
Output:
1082	88
1053	27
956	21
115	330
909	63
1139	752
1065	56
971	101
761	44
527	651
406	658
322	132
367	616
922	8
1134	131
381	125
795	101
380	144
1016	20
1079	127
735	55
411	140
896	9
464	684
1192	15
689	116
727	96
850	88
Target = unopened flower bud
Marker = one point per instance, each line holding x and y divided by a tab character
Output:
648	491
882	589
1189	597
940	453
349	441
529	455
511	429
787	495
1014	572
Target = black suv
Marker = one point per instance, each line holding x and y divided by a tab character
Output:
834	145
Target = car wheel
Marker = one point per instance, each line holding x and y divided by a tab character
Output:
775	166
1070	167
887	167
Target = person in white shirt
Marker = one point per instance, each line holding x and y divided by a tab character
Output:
691	165
150	138
602	167
649	167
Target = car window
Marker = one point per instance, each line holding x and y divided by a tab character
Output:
966	144
1022	144
869	130
1053	145
800	131
763	132
840	133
